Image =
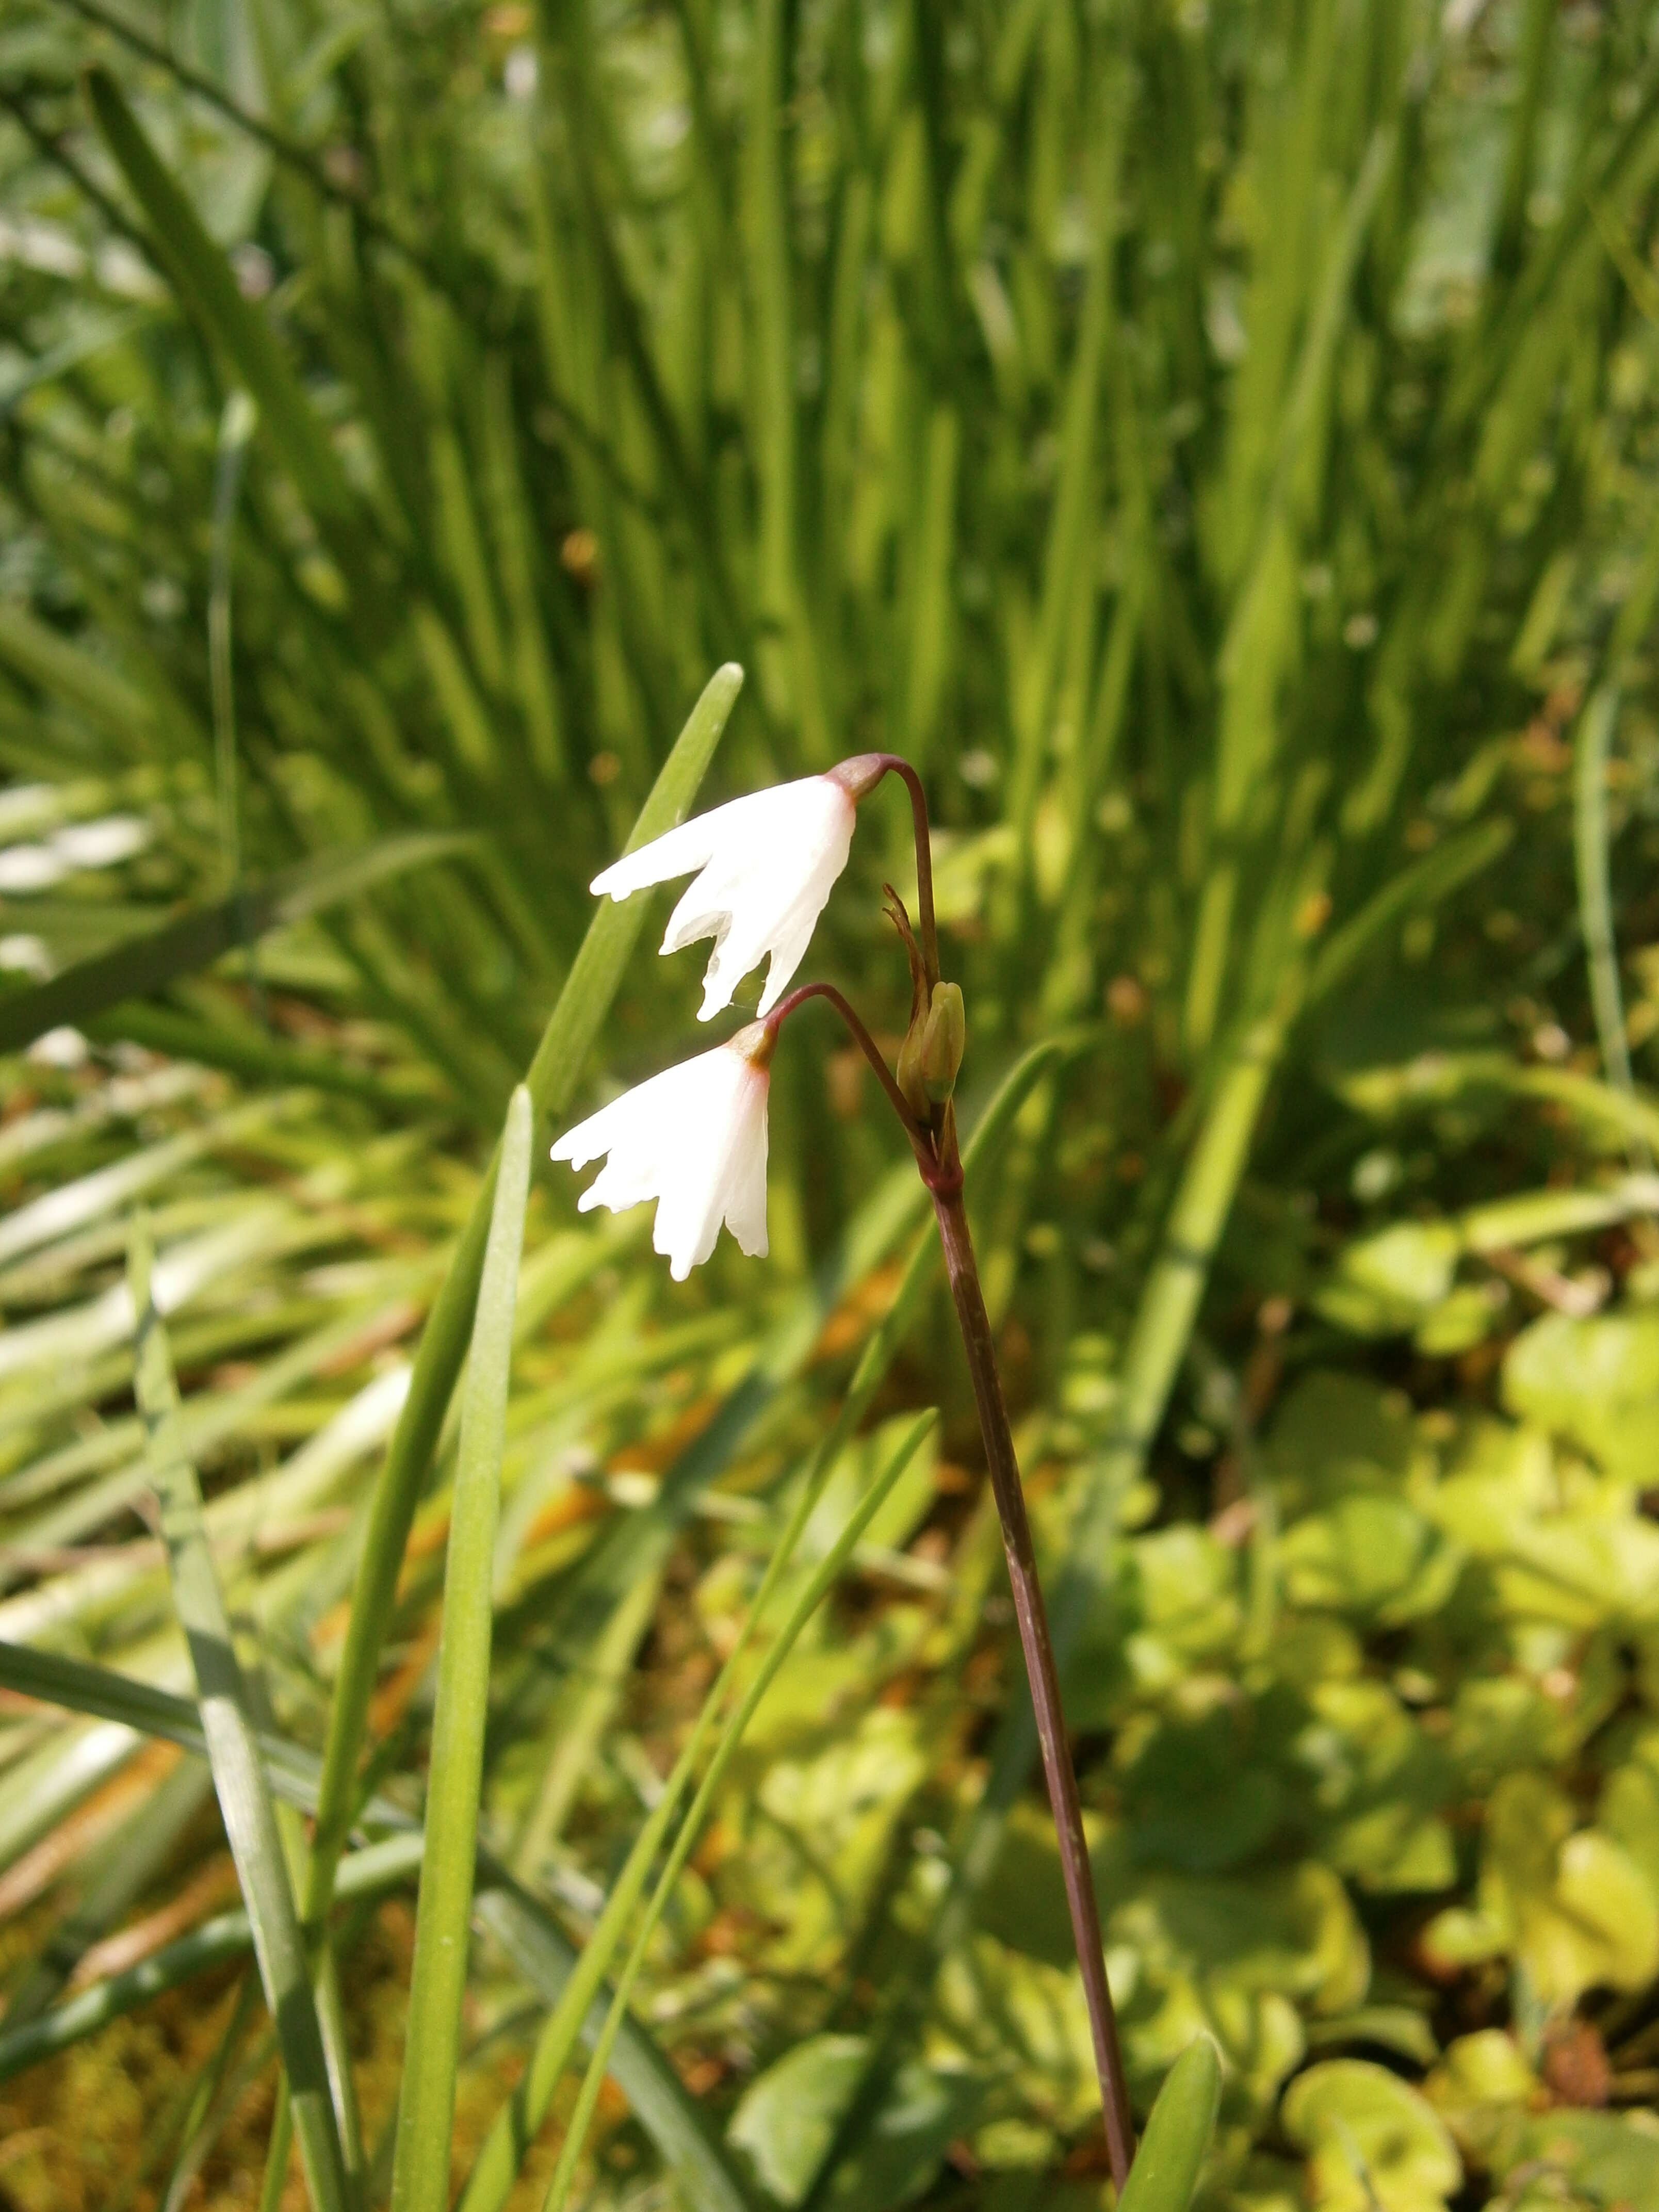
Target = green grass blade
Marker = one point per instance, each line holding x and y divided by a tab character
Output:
137	1856
247	1052
1590	845
208	287
244	1800
227	1936
1164	2175
540	1951
143	964
43	657
818	1588
1422	884
420	2173
81	1687
364	1874
277	2150
589	988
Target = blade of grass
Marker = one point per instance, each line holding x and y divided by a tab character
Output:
367	1873
1437	1076
420	2173
244	1793
1178	2138
136	1856
244	1051
81	1687
208	287
589	988
60	669
236	426
1590	844
818	1586
144	964
541	1952
1421	885
277	2150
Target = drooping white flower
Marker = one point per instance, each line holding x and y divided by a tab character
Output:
768	864
693	1138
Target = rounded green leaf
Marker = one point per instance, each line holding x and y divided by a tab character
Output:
1374	2144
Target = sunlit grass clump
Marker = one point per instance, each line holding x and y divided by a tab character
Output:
438	450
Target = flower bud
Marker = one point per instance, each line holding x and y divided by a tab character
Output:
931	1052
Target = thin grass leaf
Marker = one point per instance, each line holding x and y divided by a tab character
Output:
589	988
539	1951
368	1873
1590	840
73	1206
82	1688
420	2173
256	1058
818	1585
1164	2176
1415	890
207	288
62	671
120	1871
147	963
244	1794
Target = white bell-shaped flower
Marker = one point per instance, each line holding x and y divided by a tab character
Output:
693	1138
768	864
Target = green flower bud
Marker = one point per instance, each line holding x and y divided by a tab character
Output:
931	1052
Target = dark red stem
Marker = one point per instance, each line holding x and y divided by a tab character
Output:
940	1166
1039	1653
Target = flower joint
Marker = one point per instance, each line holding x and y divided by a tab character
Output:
693	1138
768	864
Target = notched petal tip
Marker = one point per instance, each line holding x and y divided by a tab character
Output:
693	1140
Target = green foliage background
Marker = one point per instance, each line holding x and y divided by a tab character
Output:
1219	443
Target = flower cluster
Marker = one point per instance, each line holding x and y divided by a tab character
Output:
694	1137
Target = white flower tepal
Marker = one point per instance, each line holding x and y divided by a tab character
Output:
693	1138
769	863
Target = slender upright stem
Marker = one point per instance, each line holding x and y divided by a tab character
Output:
1038	1650
933	1139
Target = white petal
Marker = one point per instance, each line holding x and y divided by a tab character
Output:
745	1174
765	866
676	853
693	1138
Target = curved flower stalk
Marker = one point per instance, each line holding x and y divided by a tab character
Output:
693	1138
